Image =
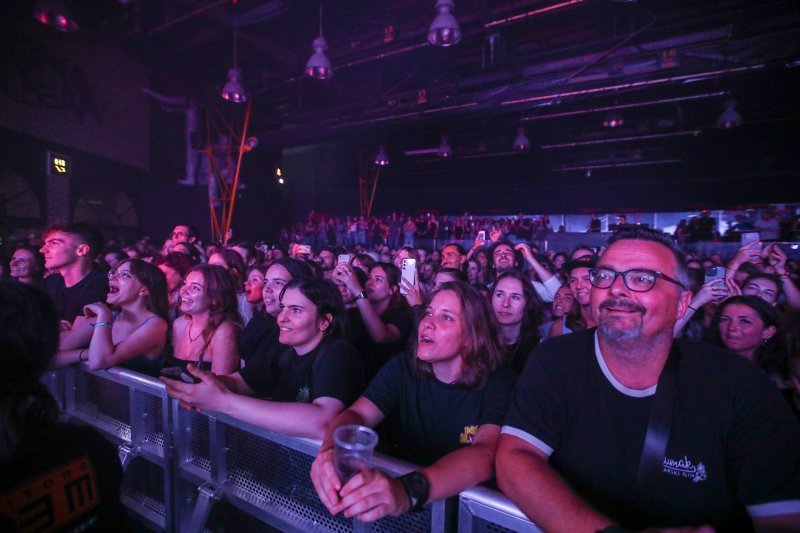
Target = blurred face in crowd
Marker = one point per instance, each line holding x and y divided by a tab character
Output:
174	278
508	301
503	257
398	258
274	281
300	325
112	261
426	272
61	250
441	331
254	286
473	269
764	288
378	287
562	302
218	260
441	277
21	264
451	258
579	285
742	329
244	253
327	260
181	233
194	299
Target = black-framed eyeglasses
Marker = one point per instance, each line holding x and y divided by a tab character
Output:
636	279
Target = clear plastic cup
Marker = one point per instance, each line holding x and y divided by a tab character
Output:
352	452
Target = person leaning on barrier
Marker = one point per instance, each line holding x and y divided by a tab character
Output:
55	476
312	379
444	403
624	425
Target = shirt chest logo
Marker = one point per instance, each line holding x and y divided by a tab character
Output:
684	468
468	435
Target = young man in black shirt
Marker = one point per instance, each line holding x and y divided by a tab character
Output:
69	252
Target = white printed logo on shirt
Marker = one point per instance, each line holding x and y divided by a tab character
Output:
684	468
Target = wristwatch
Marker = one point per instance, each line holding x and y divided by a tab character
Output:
361	295
417	489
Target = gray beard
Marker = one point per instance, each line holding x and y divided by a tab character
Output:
617	334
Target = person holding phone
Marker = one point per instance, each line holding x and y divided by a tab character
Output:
133	337
445	399
310	381
382	322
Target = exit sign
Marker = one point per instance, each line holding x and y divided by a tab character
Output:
58	165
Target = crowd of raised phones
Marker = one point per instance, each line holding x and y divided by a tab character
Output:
428	343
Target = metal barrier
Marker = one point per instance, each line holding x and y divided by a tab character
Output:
190	472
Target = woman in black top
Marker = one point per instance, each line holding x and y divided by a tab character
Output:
517	311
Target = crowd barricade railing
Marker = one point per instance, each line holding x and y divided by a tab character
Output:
188	471
482	510
132	411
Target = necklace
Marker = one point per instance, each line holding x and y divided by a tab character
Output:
189	332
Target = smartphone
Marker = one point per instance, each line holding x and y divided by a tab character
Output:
482	235
303	249
712	273
344	258
408	273
749	237
178	373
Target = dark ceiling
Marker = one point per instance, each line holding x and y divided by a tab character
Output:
556	67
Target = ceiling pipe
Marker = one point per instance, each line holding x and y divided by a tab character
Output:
621	139
632	85
624	106
187	16
532	13
618	165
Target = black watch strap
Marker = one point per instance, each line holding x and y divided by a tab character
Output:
417	489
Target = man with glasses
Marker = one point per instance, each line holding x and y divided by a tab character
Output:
623	427
75	281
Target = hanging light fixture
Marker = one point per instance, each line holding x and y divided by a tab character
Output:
613	119
319	66
233	91
381	158
730	117
521	142
444	30
444	148
56	14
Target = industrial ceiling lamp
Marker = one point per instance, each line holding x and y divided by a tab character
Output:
521	142
381	158
56	14
444	30
730	117
319	66
444	148
613	119
233	91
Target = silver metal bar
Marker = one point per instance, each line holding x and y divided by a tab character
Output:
208	495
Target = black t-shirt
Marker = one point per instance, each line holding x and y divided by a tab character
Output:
517	353
62	478
733	442
70	301
427	419
259	338
375	355
333	369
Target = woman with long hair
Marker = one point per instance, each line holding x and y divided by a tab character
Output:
446	401
34	444
207	332
517	311
175	266
309	381
27	265
135	334
750	327
382	320
232	261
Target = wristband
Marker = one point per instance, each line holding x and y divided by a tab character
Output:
103	324
80	356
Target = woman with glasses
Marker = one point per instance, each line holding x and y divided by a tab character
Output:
130	328
207	332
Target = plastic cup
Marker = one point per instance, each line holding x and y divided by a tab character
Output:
352	452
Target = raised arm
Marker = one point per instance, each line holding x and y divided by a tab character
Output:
524	476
